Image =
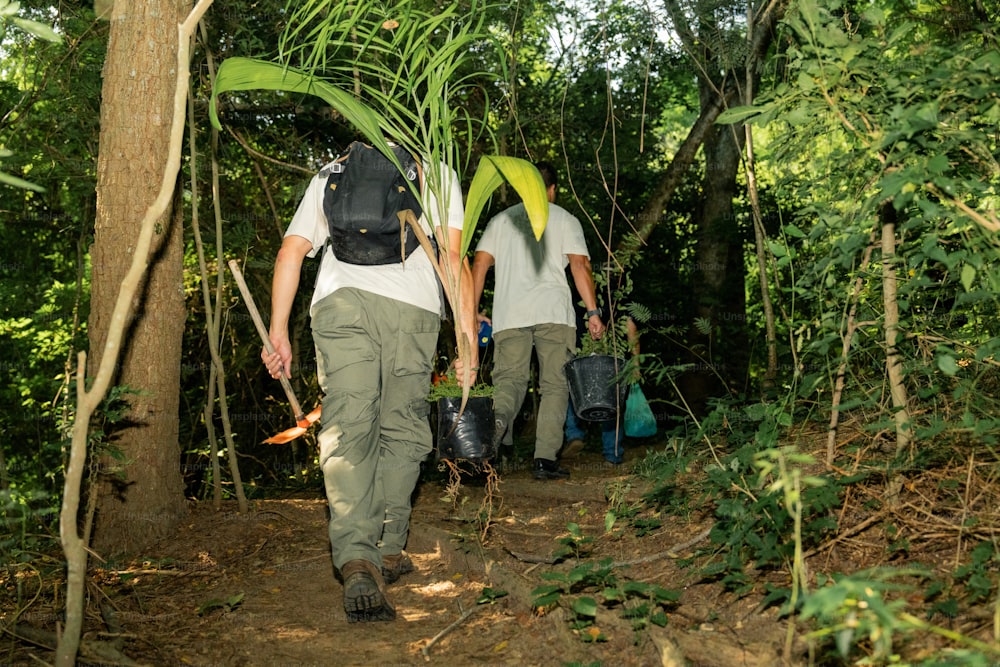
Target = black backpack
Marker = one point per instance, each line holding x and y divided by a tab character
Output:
364	192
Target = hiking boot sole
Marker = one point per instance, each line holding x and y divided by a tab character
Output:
372	616
363	597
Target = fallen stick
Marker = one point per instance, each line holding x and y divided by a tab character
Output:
673	552
426	650
91	650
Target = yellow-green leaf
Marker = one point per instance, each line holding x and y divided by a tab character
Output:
38	29
968	276
19	182
947	365
523	177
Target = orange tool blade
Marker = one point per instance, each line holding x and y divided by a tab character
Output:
290	434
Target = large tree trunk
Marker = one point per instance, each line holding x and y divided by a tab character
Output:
141	498
720	348
720	351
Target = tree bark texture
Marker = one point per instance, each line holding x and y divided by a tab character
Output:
719	276
141	499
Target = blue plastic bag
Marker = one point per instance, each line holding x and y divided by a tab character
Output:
485	333
639	419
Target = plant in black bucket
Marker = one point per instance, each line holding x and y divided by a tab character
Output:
466	436
595	375
594	386
463	434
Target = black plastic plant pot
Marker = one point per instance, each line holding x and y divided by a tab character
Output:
471	438
597	397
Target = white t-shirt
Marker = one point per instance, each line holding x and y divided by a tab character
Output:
414	282
530	281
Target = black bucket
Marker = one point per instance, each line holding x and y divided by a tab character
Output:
597	397
472	437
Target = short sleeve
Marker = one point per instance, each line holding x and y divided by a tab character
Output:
454	210
574	242
309	221
488	240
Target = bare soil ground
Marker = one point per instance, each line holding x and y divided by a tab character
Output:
259	588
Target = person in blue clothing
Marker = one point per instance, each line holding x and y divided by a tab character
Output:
612	430
612	437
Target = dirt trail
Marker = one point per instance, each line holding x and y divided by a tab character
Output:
259	589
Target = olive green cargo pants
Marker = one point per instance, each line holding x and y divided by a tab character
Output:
553	345
374	358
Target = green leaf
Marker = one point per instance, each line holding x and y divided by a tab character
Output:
251	74
794	231
210	605
968	276
613	595
667	595
546	589
938	164
585	606
238	74
490	595
947	364
776	249
19	182
659	619
37	29
636	587
738	114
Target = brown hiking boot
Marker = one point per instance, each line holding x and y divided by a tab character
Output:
364	596
571	450
393	567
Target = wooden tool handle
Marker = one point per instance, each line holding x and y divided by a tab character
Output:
300	418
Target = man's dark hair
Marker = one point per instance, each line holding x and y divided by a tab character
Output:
548	172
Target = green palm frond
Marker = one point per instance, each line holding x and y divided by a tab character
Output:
237	74
394	70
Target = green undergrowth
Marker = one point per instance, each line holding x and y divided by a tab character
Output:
771	502
589	585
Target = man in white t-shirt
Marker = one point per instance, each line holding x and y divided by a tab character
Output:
533	309
375	328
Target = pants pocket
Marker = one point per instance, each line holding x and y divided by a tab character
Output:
415	348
